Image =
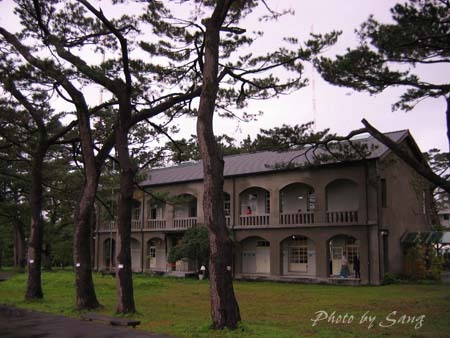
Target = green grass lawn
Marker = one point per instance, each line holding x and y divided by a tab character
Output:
181	307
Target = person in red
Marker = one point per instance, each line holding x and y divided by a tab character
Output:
248	211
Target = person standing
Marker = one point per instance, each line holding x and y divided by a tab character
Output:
356	267
344	268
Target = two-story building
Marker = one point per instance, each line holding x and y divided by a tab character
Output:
288	222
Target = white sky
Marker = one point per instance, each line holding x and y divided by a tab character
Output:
339	109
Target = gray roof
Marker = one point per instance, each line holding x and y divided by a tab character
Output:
258	162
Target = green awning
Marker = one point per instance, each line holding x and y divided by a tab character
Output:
426	237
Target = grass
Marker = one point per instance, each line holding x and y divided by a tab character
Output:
181	307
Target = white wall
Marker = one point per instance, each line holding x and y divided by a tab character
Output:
291	201
342	195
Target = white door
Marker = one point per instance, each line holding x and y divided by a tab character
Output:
152	257
262	259
336	253
248	261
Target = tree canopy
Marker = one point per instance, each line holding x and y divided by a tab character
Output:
398	54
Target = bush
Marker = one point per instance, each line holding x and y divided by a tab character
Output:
194	245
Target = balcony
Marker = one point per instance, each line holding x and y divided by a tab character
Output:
342	217
253	220
297	218
136	224
184	223
107	226
155	224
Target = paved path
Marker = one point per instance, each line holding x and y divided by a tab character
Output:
17	323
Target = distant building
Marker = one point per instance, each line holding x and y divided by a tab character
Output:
303	220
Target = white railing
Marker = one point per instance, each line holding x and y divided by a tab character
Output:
342	216
136	224
184	223
155	224
297	218
254	220
108	226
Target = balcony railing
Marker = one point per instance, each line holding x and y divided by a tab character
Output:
254	220
184	223
340	217
107	226
155	224
136	224
297	218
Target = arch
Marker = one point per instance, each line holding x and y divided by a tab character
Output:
135	247
254	200
255	255
299	256
343	248
297	198
109	253
342	195
186	206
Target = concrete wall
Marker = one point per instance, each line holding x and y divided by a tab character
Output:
404	210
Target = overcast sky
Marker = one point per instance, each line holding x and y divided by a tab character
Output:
339	109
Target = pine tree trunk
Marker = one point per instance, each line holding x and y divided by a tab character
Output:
124	279
447	115
224	307
34	284
86	298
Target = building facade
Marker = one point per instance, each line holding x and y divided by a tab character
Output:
289	222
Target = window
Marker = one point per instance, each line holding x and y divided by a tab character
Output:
352	252
152	252
226	204
383	193
193	210
298	255
136	210
424	202
267	202
262	243
311	201
446	217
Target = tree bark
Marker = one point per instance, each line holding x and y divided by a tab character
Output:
224	306
447	116
124	281
84	284
34	285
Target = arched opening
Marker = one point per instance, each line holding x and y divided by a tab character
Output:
344	250
255	256
299	256
297	204
254	207
109	253
185	211
135	254
342	201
